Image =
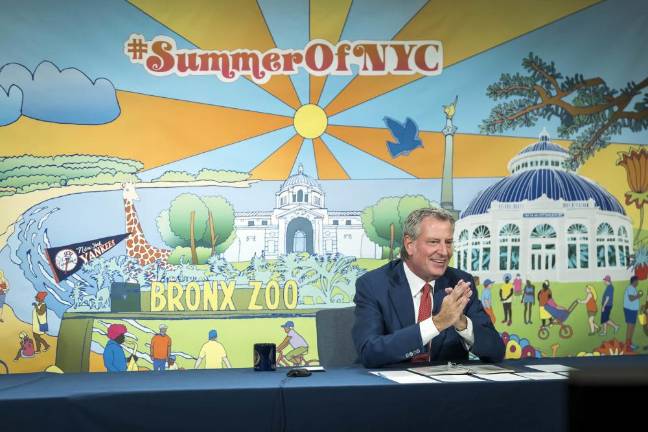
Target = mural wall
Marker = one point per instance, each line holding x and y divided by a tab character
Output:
181	180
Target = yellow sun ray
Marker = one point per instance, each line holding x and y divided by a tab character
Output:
456	28
222	25
279	164
480	155
153	130
328	168
327	20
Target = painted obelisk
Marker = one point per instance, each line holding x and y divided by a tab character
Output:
449	130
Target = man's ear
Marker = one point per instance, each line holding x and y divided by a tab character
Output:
409	244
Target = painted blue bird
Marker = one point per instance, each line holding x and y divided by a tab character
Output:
406	136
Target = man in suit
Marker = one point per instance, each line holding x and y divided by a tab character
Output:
418	308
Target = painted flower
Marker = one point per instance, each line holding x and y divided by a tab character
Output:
635	163
513	350
517	347
613	347
529	352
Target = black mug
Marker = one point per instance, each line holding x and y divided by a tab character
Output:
265	357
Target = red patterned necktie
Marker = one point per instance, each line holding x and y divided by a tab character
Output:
425	308
424	312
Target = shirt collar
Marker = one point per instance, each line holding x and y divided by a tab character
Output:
415	283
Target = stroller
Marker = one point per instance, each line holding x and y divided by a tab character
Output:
559	316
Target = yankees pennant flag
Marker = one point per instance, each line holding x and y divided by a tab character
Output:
67	260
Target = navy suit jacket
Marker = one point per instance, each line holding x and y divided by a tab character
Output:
385	329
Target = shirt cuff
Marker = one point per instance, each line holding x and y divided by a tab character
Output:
467	335
429	330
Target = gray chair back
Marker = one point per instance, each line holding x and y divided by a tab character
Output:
334	342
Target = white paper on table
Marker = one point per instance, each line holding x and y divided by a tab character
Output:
456	378
542	375
503	377
551	368
404	377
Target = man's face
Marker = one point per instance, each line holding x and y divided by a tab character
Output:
431	251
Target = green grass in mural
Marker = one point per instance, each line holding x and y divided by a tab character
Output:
564	294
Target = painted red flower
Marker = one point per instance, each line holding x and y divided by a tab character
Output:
613	347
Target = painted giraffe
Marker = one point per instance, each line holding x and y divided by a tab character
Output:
136	245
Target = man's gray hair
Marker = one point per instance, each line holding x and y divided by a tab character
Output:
412	225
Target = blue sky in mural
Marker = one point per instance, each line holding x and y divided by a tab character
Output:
241	156
423	99
360	165
98	27
306	159
568	42
370	20
289	29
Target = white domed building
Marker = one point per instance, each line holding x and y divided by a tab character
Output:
544	222
300	222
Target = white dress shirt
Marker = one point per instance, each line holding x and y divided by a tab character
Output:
427	327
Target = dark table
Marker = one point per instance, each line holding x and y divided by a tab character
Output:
241	399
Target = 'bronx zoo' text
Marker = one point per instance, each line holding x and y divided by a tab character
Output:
222	296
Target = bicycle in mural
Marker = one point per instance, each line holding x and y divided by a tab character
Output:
559	316
299	360
4	369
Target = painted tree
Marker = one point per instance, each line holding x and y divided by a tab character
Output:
188	220
383	222
220	224
588	109
193	222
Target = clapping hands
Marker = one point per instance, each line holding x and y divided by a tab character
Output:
452	307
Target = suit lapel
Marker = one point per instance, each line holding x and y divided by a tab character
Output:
401	296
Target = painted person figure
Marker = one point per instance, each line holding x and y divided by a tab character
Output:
517	285
590	304
160	348
4	287
26	349
543	297
298	345
643	319
39	321
631	309
113	355
171	363
213	352
528	299
506	296
487	300
607	302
